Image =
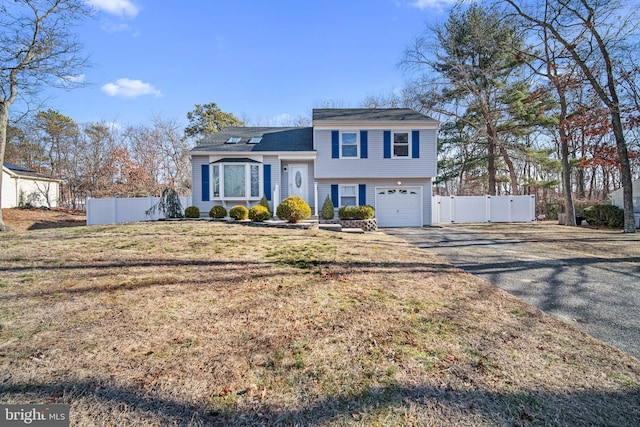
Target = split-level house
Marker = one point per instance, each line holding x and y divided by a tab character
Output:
385	158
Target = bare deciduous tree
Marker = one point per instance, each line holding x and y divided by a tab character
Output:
37	47
593	32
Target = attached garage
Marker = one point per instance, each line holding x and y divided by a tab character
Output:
399	206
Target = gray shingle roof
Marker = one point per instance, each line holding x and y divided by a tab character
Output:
369	115
28	173
273	139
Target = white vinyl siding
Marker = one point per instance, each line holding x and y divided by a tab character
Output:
375	165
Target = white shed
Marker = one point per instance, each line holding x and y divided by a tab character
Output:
616	199
21	186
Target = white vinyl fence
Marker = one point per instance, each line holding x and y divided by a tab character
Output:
117	210
447	209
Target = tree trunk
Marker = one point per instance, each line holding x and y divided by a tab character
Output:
625	172
4	119
492	137
570	217
512	170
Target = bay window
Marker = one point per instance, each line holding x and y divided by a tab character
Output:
236	181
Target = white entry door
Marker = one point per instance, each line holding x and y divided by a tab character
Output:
298	181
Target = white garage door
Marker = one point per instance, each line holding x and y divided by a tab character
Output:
399	206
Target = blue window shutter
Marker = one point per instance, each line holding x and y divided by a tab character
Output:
266	172
362	194
335	144
205	183
387	144
364	144
334	195
415	144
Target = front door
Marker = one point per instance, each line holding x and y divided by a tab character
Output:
298	177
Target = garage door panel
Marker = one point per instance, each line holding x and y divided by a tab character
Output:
399	207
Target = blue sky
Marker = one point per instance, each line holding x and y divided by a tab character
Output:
263	61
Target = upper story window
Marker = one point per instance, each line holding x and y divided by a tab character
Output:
401	144
348	144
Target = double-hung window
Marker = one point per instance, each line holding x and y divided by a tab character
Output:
236	181
401	144
348	195
349	144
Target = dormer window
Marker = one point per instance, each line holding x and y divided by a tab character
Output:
233	140
255	140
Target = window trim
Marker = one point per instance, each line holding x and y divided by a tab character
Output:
356	194
393	144
247	181
357	144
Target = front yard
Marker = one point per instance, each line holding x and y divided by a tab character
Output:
202	323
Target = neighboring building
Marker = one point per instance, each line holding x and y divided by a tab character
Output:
381	157
616	200
22	186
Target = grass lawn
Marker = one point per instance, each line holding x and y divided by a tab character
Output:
202	323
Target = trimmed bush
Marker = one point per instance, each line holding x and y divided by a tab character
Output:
609	215
218	212
293	209
192	212
259	213
264	202
239	212
356	212
327	209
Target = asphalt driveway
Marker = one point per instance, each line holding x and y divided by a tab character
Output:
589	278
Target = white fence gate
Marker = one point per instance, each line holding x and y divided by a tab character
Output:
117	210
483	209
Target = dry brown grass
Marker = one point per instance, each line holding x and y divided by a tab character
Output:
37	219
200	323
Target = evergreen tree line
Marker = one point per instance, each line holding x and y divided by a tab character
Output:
533	98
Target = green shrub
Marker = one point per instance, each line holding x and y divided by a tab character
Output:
327	209
356	212
259	213
192	212
609	215
263	202
293	209
218	212
239	212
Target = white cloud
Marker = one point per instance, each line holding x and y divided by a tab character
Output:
432	4
127	88
115	7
